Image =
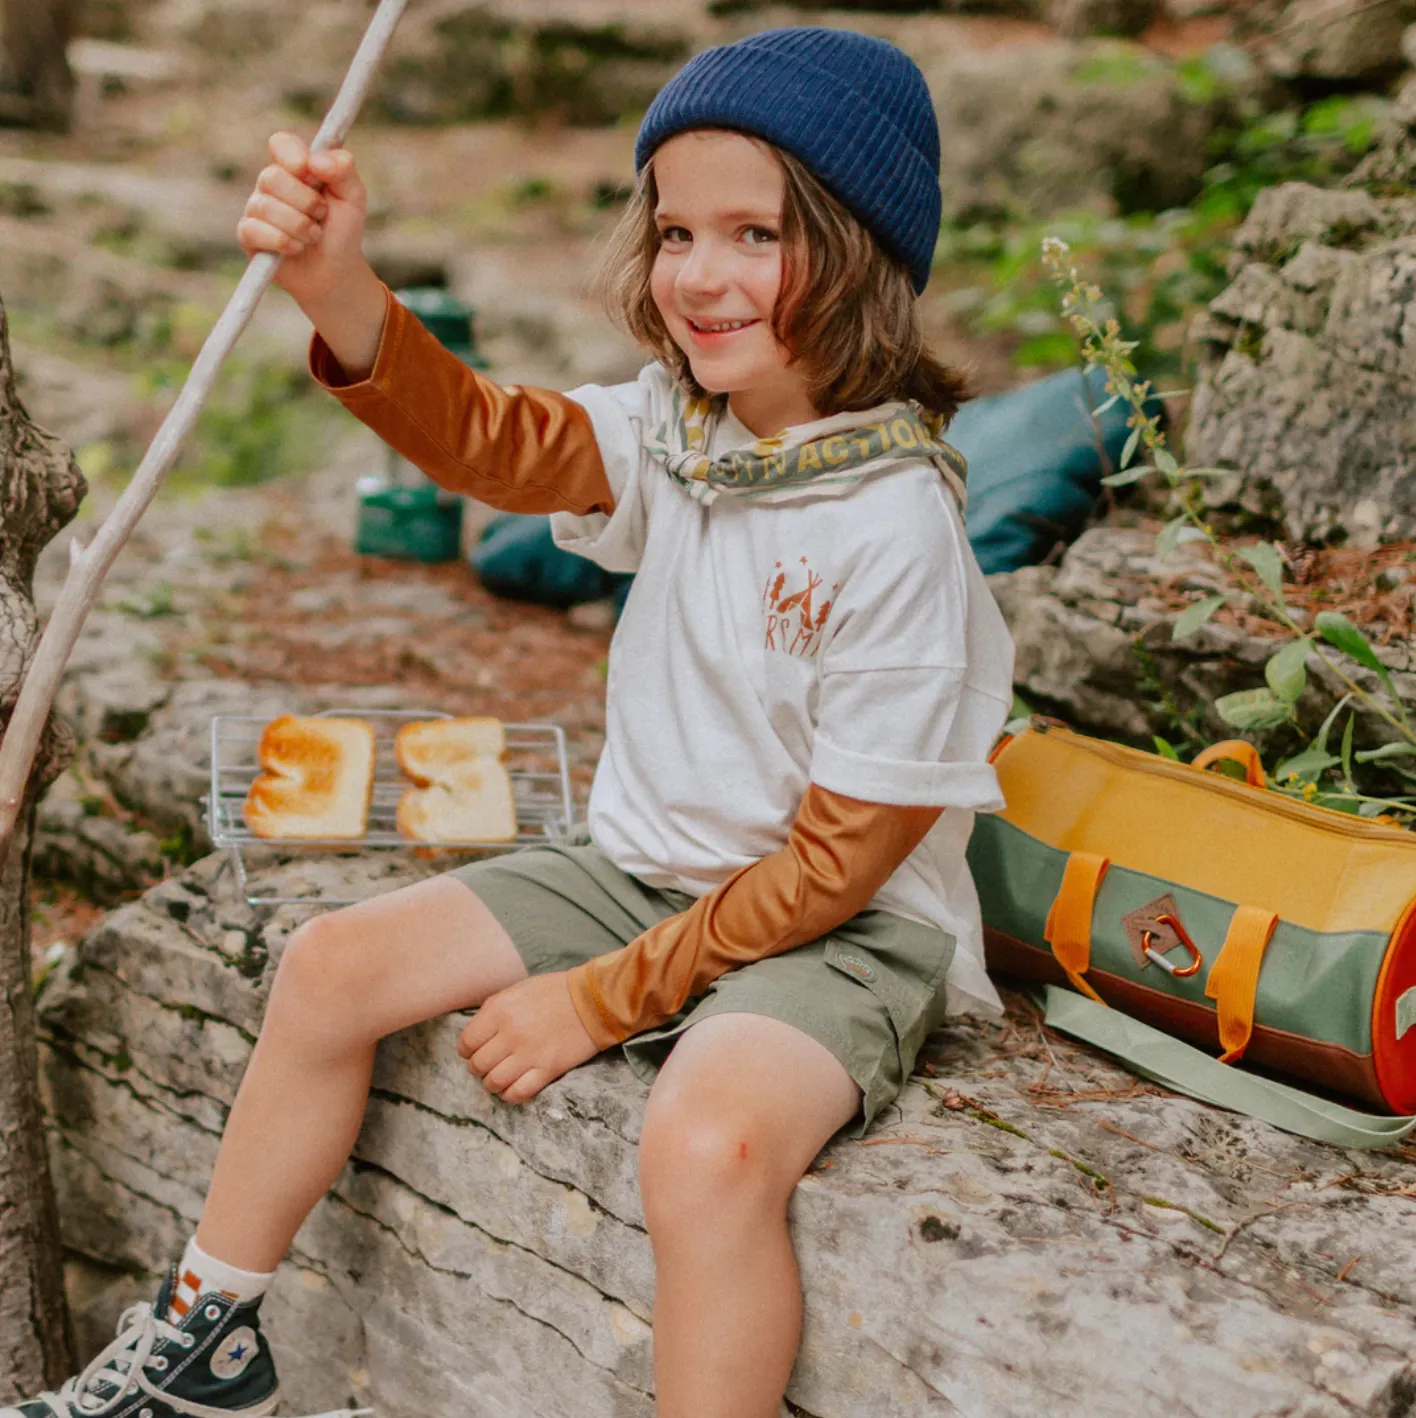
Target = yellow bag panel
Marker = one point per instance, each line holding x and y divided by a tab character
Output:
1319	869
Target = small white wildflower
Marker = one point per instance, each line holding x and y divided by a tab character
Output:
1054	246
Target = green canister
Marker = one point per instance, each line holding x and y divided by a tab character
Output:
403	514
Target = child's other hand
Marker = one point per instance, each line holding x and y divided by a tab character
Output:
311	211
525	1037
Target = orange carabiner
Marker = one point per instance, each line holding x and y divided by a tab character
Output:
1180	972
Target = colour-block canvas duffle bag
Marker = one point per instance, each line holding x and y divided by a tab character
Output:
1186	905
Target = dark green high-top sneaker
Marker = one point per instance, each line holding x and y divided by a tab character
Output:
213	1363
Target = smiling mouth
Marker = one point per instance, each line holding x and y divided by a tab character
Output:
717	327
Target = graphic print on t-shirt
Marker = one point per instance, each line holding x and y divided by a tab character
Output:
795	608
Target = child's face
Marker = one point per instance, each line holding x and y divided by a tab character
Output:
718	272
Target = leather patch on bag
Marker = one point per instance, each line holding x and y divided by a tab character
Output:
1162	937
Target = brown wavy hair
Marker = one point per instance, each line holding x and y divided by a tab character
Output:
844	299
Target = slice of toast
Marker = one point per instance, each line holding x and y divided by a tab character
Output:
317	779
464	791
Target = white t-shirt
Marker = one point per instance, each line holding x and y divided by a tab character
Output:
845	640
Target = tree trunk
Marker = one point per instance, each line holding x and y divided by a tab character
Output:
38	87
40	490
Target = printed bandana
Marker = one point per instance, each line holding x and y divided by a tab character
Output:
825	458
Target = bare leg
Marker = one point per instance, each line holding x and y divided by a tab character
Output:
736	1116
345	980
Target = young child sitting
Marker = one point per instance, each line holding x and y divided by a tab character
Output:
804	687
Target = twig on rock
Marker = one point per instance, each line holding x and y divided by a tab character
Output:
1052	1060
1065	1098
1238	1226
1121	1132
894	1142
89	565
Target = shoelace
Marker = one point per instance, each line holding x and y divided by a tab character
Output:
123	1367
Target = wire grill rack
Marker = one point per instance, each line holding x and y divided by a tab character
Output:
535	758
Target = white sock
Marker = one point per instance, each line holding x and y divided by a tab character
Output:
200	1273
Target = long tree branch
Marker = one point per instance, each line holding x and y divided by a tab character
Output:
89	565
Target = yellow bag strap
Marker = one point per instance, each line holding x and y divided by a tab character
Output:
1242	752
1233	979
1069	923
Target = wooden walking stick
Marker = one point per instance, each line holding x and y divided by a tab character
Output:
89	565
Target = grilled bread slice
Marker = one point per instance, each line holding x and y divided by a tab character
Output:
317	779
464	791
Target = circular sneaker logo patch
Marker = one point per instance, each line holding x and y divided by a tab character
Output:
854	965
234	1354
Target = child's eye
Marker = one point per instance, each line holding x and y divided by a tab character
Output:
759	235
674	234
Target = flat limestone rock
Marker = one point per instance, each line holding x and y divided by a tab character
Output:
1306	359
1030	1229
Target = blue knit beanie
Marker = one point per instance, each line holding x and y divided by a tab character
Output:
855	110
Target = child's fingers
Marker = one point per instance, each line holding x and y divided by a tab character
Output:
335	169
498	1079
526	1087
332	170
489	1056
255	235
272	212
479	1029
290	151
276	182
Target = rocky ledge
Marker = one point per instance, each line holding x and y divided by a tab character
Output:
1031	1229
1095	643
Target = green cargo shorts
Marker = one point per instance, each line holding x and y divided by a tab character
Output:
869	991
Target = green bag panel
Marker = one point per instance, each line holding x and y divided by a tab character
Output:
1315	985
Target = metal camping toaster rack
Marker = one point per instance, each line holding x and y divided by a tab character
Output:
536	761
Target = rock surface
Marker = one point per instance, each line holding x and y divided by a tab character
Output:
1334	39
1120	17
1029	1230
1094	643
1308	371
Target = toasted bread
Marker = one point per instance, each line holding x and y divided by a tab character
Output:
464	791
317	779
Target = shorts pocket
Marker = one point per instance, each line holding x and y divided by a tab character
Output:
907	1000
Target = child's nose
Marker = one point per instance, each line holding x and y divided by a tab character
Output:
703	271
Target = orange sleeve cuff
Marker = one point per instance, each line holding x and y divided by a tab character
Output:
603	1030
522	450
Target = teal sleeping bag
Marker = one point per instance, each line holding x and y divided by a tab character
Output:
1036	457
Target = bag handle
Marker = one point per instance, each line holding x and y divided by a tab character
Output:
1233	981
1068	929
1241	751
1190	1071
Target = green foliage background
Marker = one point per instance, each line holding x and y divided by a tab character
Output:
1157	269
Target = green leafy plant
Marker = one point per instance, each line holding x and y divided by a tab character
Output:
1256	571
